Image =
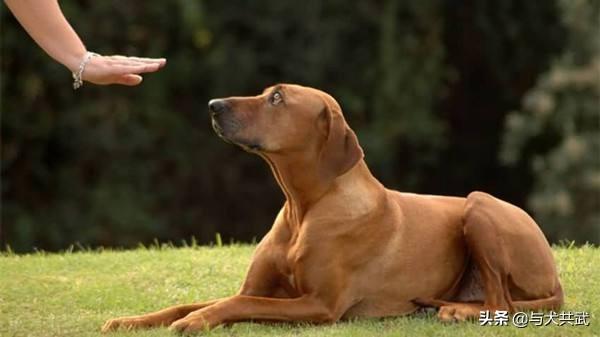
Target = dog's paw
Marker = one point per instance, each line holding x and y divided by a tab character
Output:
190	324
127	323
458	312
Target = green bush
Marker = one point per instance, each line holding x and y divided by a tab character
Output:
557	132
426	84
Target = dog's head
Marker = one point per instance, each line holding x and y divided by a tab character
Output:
289	120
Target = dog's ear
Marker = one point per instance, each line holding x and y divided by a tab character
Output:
340	150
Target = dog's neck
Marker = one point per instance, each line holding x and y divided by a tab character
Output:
303	184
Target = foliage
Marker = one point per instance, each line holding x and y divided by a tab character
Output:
426	84
561	115
72	294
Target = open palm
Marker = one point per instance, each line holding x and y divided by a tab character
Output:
118	69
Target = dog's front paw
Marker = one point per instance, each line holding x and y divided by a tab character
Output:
190	324
458	312
128	323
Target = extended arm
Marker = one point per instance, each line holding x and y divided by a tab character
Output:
46	24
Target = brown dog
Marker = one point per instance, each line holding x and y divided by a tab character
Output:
344	246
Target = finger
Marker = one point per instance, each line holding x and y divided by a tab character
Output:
140	60
134	69
148	60
134	59
129	65
129	79
127	62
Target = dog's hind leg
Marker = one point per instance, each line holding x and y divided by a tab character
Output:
515	263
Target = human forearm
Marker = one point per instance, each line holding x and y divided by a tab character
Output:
46	24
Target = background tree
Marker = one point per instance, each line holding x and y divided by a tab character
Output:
426	84
556	134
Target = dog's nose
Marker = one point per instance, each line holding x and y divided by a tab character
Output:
216	106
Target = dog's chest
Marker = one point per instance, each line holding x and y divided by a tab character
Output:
288	262
292	255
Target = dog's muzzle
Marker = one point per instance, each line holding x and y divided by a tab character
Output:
216	108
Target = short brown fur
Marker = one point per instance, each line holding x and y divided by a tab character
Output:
344	246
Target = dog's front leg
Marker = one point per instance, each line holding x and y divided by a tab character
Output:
244	308
163	317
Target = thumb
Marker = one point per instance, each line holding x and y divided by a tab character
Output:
129	79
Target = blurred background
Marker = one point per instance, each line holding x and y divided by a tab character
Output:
446	97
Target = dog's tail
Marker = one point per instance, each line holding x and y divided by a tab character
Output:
553	302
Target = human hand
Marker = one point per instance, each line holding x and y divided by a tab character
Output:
120	69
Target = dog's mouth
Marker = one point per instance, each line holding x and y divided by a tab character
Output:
219	130
249	146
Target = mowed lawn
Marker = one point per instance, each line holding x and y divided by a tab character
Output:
72	294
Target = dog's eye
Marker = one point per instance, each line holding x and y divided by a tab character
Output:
276	98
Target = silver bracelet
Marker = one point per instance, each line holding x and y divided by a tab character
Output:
77	81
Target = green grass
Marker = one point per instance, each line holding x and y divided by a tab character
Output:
72	294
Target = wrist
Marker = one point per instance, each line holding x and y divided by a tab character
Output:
78	74
73	60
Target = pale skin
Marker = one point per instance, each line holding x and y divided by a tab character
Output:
45	23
